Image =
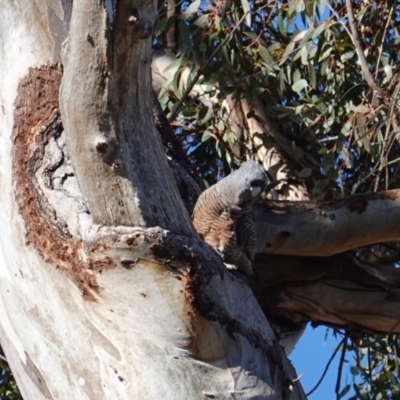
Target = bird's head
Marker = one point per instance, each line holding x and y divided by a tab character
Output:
246	184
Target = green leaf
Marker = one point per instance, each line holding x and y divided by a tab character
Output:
299	35
160	26
176	63
305	173
281	27
299	85
318	30
205	114
325	54
328	161
273	47
296	76
246	10
201	20
347	56
218	149
321	107
304	55
312	51
265	55
354	371
388	71
344	391
193	7
296	6
287	52
206	135
282	86
176	83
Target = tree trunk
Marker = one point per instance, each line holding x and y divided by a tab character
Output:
106	290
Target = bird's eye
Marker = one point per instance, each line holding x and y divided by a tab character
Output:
256	187
255	191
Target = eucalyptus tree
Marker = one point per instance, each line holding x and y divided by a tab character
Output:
107	291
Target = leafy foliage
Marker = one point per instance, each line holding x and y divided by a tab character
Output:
298	58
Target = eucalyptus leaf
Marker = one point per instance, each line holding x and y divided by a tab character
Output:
265	55
388	71
246	10
347	56
299	85
205	114
287	52
304	55
192	8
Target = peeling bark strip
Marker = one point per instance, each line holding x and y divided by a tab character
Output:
37	120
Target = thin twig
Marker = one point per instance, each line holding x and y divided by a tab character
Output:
360	52
327	367
341	362
334	12
396	358
369	366
200	72
383	41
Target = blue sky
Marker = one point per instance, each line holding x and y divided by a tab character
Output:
310	357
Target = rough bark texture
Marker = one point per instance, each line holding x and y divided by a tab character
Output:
108	149
91	311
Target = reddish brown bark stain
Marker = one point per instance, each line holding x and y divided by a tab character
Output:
35	107
358	204
36	102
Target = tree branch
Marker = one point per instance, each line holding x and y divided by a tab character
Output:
339	291
260	127
326	228
114	144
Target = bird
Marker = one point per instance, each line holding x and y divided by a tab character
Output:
223	216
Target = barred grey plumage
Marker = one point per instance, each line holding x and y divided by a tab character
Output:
223	217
